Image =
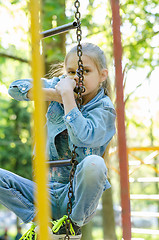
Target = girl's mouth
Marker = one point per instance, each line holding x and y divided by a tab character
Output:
78	88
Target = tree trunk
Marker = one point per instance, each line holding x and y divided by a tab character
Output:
17	222
108	216
108	211
54	47
87	232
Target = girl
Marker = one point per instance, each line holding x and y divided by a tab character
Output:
90	130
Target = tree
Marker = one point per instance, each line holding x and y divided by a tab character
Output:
54	47
15	140
108	216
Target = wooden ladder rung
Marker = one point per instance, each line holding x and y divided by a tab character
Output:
144	179
144	197
145	214
145	231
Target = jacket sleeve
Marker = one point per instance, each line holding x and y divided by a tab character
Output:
19	88
94	130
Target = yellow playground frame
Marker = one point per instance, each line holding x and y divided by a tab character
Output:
40	166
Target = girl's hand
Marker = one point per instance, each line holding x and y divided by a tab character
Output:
65	85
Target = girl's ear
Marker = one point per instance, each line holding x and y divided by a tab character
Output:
104	75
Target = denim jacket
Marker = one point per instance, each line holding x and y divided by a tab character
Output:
90	129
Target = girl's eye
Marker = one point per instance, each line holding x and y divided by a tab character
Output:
71	73
86	71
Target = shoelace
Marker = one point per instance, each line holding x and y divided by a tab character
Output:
58	223
30	233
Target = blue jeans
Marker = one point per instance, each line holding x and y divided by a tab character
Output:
17	193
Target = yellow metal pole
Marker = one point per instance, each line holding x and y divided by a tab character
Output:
143	149
40	167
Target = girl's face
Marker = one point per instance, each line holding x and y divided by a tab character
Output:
92	77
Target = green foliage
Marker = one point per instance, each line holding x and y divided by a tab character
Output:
141	23
53	16
15	143
14	1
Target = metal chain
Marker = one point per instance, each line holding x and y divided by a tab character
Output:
70	191
79	90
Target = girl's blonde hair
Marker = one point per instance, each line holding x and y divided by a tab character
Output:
95	54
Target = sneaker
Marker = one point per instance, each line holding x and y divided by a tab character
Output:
30	234
59	230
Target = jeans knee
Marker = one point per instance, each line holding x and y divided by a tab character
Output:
3	179
2	174
6	179
95	162
94	168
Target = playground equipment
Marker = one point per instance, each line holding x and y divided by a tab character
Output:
135	163
37	73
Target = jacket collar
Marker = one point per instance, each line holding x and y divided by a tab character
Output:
99	96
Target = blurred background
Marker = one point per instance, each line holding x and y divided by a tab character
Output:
140	40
